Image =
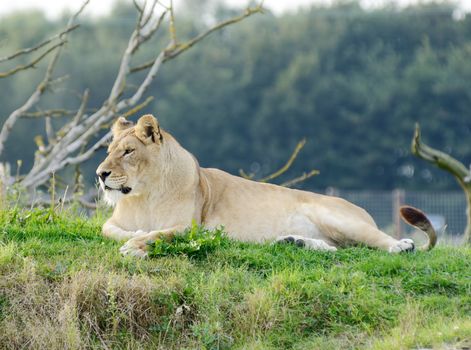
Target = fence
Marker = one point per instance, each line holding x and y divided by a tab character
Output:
442	207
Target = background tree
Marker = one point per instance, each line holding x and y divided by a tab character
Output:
351	81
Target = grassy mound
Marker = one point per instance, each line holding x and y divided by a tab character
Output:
64	286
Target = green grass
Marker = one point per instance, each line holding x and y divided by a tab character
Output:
62	286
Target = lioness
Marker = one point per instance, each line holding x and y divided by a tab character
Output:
158	189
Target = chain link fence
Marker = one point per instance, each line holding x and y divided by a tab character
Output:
442	208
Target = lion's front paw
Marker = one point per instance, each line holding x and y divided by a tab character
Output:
404	245
135	247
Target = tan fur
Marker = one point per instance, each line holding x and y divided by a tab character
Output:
168	190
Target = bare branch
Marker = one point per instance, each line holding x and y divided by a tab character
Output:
138	107
39	175
51	113
81	110
146	36
299	179
283	169
39	141
75	136
173	31
175	50
77	117
76	14
80	134
288	164
120	81
132	111
440	159
40	89
13	117
136	39
58	81
147	81
451	165
38	46
49	130
185	46
33	63
243	174
86	155
151	12
139	9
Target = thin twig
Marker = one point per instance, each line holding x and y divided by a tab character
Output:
283	169
185	46
51	113
152	30
288	164
49	130
299	179
173	31
137	108
58	80
151	12
31	64
86	155
67	150
40	89
243	174
78	116
175	50
38	46
133	110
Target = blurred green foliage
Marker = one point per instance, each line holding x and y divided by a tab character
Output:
353	82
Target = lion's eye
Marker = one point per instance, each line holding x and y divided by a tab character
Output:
128	151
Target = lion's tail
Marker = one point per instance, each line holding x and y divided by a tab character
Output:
417	218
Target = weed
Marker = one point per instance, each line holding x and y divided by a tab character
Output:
195	242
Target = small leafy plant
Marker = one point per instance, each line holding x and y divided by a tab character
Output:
195	242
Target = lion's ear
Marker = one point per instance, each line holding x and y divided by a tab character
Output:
119	125
148	130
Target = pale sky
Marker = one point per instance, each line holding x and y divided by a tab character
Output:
54	8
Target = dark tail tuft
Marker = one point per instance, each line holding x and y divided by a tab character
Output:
414	217
417	218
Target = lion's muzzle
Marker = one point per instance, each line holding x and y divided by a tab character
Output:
111	182
103	175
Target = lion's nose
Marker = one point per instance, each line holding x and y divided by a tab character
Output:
104	174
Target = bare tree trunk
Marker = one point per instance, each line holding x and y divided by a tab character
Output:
453	166
467	231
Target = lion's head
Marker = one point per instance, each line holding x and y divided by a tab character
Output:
132	155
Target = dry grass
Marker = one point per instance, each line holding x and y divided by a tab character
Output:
77	311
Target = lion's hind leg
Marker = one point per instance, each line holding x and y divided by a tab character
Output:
305	242
371	236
